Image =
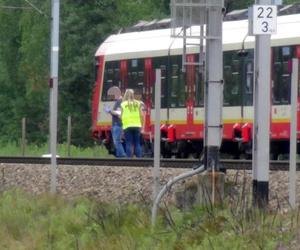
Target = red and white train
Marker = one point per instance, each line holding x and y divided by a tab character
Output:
129	60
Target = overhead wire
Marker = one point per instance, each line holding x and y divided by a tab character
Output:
32	7
35	7
15	7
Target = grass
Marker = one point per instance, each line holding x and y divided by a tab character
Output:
51	222
12	149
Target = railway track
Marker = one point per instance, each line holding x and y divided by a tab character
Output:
144	162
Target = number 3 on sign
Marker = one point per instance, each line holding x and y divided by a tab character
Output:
264	19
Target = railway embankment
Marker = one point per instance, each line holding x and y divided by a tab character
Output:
129	184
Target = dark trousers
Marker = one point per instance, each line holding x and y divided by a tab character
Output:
132	140
116	135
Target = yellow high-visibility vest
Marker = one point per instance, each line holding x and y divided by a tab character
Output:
131	114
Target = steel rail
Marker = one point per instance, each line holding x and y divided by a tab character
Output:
143	162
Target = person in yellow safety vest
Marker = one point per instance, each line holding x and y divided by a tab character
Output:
132	119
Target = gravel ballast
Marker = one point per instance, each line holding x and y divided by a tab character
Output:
123	184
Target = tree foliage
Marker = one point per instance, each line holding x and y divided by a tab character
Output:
23	52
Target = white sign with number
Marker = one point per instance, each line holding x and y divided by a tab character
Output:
264	18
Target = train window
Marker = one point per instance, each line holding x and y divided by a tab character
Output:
180	88
117	80
134	63
286	51
227	77
199	87
161	62
173	87
281	74
277	55
111	78
286	67
235	97
249	78
233	79
163	85
277	66
175	68
286	80
236	65
248	100
140	82
141	74
133	79
177	84
136	76
276	89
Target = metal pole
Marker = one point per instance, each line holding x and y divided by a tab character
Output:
69	135
262	99
156	173
23	135
49	103
214	88
293	135
168	186
54	90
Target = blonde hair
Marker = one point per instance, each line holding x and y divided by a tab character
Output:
129	97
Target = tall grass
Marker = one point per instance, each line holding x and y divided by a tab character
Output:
50	222
13	149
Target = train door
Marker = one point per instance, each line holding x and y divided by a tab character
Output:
147	92
247	87
190	89
281	95
177	95
233	102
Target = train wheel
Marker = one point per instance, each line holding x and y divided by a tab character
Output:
182	150
147	148
274	156
108	144
166	150
197	149
248	156
196	155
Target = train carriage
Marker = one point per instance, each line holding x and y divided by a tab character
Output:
129	60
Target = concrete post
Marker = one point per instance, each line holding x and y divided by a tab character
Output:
214	88
54	90
262	116
156	168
